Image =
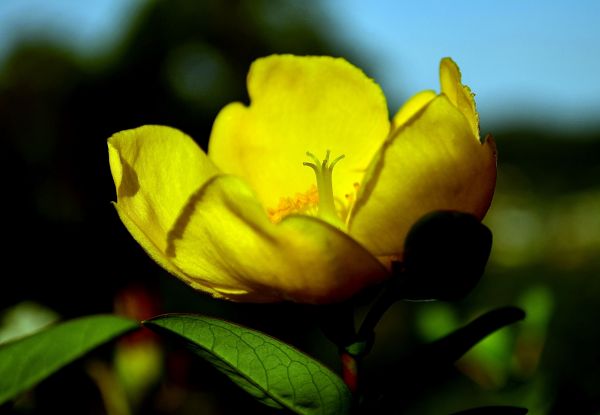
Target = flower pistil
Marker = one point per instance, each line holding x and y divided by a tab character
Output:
323	170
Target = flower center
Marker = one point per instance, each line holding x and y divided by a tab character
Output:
318	200
302	203
323	170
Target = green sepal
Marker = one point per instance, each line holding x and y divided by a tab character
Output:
26	361
271	371
360	347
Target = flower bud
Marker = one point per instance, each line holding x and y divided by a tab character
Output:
445	256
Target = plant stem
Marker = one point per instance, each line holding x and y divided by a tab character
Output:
350	365
385	300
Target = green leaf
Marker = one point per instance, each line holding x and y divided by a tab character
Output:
26	361
271	371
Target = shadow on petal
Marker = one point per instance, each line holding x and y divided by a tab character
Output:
184	217
130	184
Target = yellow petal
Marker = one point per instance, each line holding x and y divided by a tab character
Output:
411	107
155	170
223	242
300	104
433	162
460	95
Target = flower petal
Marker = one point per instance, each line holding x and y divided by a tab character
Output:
155	170
300	104
460	95
433	162
224	242
416	103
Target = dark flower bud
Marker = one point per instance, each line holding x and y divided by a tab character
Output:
445	256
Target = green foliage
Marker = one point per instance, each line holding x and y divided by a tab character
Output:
435	320
27	361
271	371
494	410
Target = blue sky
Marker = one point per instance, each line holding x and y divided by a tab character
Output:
532	61
86	26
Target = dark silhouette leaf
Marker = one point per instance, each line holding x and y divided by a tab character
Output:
451	347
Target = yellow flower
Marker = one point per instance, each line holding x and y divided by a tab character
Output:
306	193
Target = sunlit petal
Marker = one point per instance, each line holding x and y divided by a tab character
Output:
155	170
300	104
434	162
411	107
224	242
460	95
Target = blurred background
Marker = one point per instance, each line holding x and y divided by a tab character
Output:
73	73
